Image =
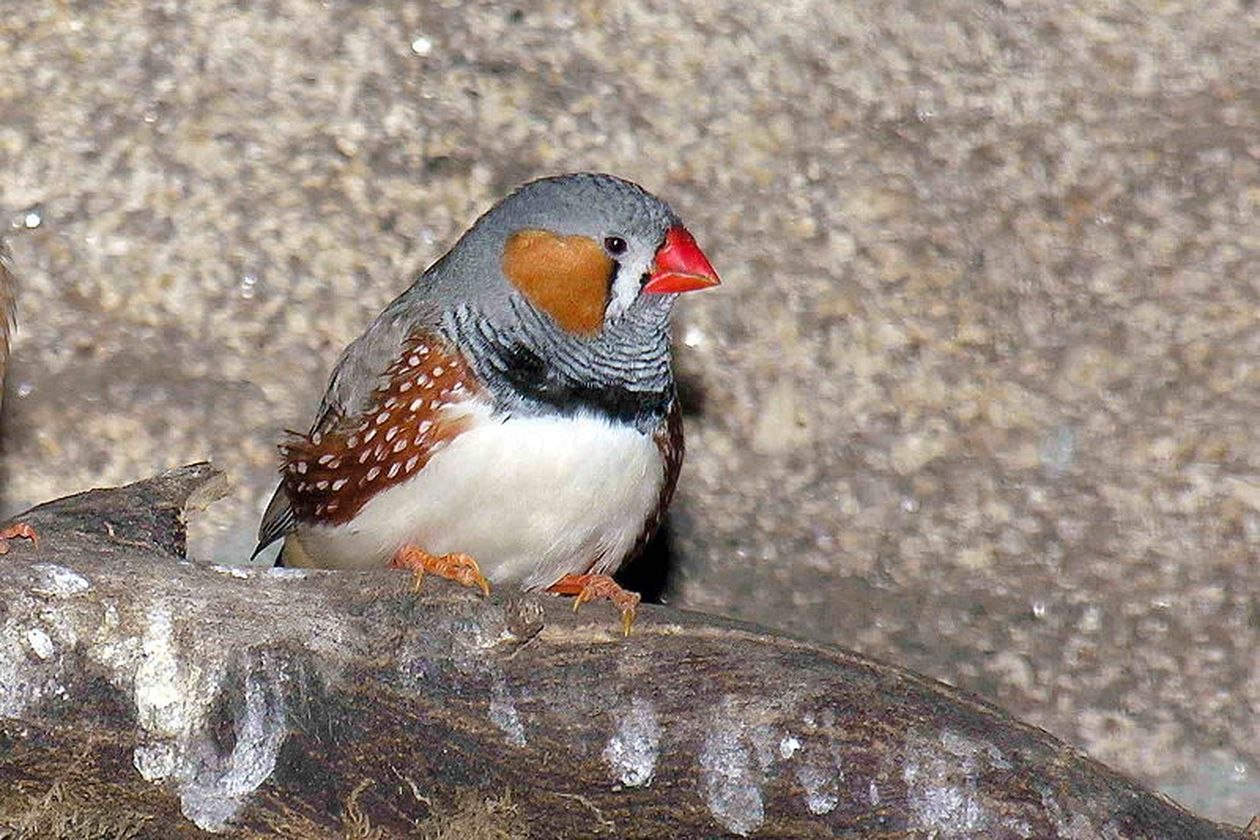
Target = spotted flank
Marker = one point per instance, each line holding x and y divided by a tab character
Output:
330	473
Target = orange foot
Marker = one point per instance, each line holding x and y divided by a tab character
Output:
457	567
21	529
590	587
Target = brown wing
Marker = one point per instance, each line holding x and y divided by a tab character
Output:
330	473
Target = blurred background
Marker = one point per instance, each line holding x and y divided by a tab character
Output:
978	396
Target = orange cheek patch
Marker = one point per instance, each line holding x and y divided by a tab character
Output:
564	276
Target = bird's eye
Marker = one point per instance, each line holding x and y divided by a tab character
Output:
615	245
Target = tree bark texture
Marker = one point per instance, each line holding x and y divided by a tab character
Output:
142	695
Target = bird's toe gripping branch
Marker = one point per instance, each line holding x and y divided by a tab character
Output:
20	529
457	567
590	587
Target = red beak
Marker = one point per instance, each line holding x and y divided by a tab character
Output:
680	266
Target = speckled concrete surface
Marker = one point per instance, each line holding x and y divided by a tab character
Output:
979	394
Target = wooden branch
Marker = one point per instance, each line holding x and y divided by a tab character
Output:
141	692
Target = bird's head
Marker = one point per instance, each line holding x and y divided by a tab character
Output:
585	250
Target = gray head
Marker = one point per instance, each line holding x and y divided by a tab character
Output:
560	297
585	250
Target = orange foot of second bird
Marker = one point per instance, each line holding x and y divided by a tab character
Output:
457	567
590	587
22	530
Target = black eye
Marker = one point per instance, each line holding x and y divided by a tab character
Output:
615	245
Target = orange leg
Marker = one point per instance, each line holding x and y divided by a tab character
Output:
590	587
21	529
457	567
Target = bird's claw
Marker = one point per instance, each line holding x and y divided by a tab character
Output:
460	568
15	531
590	587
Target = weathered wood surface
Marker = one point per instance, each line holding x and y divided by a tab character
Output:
144	696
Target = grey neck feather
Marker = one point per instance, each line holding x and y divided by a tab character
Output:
533	367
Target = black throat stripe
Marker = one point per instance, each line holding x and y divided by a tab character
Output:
530	377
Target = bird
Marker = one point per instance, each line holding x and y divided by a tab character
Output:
8	308
511	417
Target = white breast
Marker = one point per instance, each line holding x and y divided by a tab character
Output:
530	499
